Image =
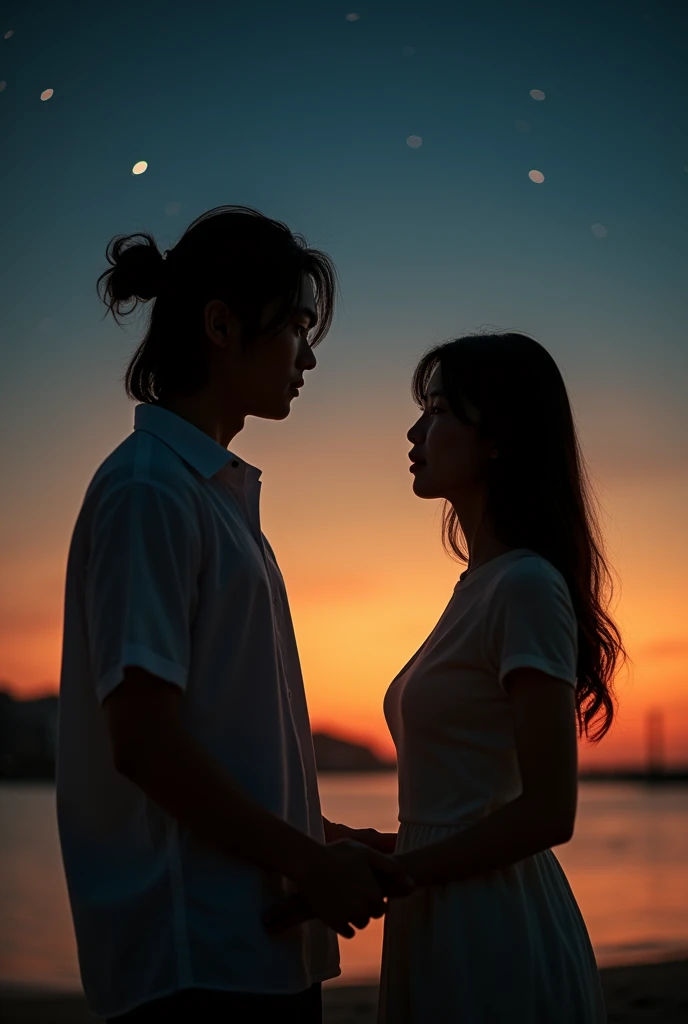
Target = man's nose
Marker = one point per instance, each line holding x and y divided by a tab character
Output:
307	360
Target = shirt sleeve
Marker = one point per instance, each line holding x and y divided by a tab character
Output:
535	624
141	585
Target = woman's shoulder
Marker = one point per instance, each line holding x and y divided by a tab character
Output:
529	576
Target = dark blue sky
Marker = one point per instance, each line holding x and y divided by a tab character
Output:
294	109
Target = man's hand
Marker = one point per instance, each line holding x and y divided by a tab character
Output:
346	885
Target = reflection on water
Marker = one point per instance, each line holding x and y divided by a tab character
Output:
627	865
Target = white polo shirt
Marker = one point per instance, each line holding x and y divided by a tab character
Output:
169	571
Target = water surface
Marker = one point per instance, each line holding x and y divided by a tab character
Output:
627	865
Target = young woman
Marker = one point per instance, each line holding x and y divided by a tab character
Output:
484	715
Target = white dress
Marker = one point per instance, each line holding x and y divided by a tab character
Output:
509	945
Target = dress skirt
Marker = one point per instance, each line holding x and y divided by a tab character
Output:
510	945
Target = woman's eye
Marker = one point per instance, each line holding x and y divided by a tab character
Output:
434	409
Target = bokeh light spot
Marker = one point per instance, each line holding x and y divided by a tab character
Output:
537	94
521	126
536	176
46	94
353	17
414	141
408	51
599	231
3	86
172	209
139	167
9	33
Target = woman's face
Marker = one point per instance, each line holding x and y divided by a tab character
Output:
447	456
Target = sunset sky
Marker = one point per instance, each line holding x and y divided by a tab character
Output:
401	141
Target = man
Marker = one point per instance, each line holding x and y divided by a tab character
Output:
186	786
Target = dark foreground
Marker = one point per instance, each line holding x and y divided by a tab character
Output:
647	992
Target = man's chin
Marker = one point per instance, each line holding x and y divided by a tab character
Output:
275	410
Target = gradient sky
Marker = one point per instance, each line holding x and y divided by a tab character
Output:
306	114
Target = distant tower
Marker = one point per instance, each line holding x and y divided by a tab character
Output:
654	737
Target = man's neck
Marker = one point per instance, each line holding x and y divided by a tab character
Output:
204	411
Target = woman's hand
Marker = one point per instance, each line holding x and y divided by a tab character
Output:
385	842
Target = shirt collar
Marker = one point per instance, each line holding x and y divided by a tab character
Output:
192	445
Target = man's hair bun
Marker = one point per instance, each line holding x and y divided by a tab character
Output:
136	274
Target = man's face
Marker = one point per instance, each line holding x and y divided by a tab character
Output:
263	377
274	365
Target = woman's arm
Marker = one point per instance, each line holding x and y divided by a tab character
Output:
543	710
382	841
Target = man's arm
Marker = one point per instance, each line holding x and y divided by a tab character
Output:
153	750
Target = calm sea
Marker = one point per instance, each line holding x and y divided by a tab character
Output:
627	865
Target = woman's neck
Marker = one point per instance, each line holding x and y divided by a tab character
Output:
484	548
482	544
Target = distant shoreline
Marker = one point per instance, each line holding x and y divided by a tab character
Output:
28	747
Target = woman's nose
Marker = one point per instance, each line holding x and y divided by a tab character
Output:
414	433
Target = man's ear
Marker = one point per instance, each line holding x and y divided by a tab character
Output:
221	324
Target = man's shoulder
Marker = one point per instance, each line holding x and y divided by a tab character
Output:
142	460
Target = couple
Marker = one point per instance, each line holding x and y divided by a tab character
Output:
187	793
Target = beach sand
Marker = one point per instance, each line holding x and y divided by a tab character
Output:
640	993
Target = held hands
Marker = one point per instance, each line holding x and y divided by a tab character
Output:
345	884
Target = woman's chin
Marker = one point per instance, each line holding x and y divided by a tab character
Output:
422	490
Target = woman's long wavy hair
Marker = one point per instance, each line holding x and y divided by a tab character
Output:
537	491
232	253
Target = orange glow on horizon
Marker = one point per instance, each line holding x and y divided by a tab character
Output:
367	580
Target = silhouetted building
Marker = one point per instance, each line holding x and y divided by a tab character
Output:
28	736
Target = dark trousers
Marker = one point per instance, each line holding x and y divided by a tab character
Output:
210	1006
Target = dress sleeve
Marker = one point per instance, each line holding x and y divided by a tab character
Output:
141	585
534	622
